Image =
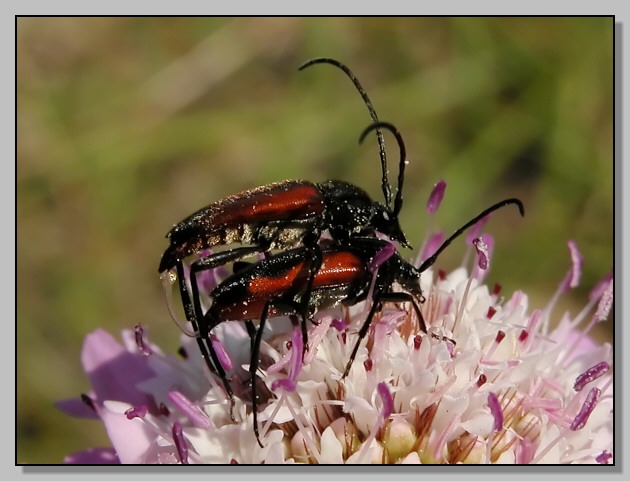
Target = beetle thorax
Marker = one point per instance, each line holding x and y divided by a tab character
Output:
349	210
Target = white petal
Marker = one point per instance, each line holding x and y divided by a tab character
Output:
331	448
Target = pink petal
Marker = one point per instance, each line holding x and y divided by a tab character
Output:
131	438
75	407
93	456
524	451
113	371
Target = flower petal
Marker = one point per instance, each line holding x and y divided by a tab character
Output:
113	371
77	408
131	438
93	456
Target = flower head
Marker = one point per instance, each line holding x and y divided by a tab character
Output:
490	382
506	393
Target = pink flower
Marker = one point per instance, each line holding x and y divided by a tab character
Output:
511	390
491	382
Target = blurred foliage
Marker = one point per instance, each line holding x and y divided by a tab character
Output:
126	125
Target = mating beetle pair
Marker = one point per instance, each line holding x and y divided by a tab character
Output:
301	272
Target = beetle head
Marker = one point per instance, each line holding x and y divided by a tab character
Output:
387	223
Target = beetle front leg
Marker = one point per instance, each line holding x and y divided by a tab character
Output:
379	300
377	305
362	332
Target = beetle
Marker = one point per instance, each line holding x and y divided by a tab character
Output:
283	214
276	285
279	216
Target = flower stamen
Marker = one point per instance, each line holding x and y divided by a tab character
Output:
496	411
587	408
190	410
137	412
590	375
139	335
180	442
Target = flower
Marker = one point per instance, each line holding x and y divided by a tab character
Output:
511	389
490	382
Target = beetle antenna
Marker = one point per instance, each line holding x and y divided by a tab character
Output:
431	260
401	166
387	191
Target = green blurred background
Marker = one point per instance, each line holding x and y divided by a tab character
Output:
126	125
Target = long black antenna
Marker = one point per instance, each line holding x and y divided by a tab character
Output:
387	192
431	260
403	161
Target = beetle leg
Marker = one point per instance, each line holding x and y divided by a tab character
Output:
225	257
406	297
255	357
313	268
251	331
379	300
366	325
193	312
